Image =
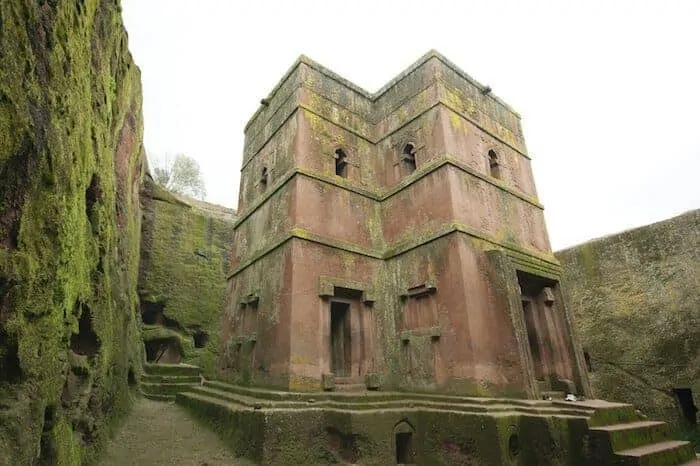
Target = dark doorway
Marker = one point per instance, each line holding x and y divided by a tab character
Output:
404	448
685	401
529	311
587	357
131	377
200	338
340	339
163	351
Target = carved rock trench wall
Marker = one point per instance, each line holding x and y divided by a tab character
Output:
637	310
71	163
185	248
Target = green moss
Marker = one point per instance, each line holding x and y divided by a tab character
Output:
641	282
183	270
73	243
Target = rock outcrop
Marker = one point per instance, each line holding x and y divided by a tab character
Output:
185	250
637	310
70	169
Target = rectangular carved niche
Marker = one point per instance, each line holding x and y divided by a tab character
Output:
248	315
419	333
419	308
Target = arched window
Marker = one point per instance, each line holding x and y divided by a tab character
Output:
263	179
494	167
341	163
408	157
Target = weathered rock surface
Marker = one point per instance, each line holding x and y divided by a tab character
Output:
185	252
70	170
637	310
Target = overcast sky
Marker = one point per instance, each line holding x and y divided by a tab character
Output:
608	91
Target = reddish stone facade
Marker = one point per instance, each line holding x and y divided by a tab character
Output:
394	240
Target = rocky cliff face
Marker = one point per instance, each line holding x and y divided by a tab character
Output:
185	250
637	310
70	170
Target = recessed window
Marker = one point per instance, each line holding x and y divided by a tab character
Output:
494	166
513	446
408	157
263	179
341	163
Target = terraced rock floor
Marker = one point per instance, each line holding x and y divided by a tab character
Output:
159	433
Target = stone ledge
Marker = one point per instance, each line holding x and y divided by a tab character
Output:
522	257
381	195
433	332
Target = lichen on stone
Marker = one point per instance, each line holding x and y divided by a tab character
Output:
70	166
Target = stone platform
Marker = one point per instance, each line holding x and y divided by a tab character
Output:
380	428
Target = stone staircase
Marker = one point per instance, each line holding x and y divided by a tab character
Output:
350	384
162	382
619	436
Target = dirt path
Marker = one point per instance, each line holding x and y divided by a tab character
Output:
158	433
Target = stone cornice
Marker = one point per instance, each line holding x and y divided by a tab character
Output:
374	136
381	195
534	260
374	97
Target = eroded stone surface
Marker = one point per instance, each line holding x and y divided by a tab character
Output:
637	309
184	261
394	238
70	170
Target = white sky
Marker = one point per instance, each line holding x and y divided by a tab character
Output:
608	91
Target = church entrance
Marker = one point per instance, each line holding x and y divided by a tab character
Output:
341	349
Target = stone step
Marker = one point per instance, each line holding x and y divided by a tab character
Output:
171	369
164	388
159	378
157	397
695	462
218	390
350	387
374	397
668	453
241	400
630	435
603	412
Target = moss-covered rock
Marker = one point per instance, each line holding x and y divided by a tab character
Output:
70	168
637	309
185	251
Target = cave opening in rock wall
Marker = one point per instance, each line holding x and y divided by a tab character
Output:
200	338
85	342
131	377
10	369
684	396
163	351
153	313
587	358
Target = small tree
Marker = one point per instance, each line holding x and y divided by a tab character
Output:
180	175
